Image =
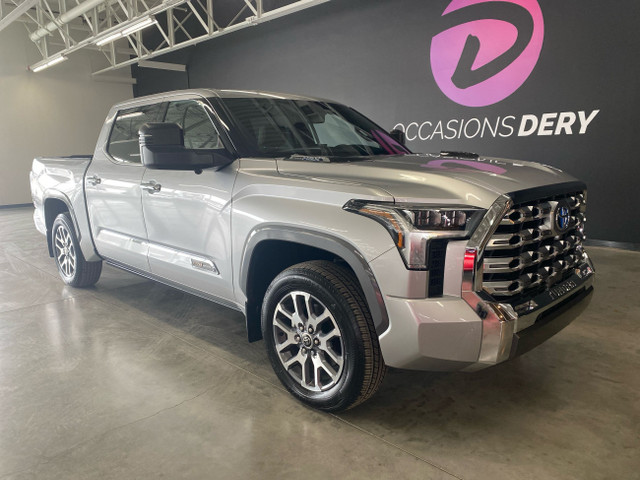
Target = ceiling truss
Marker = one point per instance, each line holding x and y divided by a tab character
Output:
134	31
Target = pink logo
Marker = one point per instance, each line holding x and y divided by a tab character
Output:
487	49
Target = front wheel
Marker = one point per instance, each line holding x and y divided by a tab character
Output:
72	266
320	336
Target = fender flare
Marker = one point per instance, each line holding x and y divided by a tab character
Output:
323	241
57	195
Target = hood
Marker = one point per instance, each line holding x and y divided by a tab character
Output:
428	178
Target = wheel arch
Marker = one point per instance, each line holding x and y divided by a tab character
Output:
273	248
54	205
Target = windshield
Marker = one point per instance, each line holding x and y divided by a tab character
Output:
281	127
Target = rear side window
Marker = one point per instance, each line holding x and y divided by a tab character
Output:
123	143
199	131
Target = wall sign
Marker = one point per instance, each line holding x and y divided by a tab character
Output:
484	53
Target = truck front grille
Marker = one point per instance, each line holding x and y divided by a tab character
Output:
530	252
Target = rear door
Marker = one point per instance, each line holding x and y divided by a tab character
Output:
113	189
188	215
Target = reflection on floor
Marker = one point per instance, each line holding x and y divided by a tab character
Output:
132	379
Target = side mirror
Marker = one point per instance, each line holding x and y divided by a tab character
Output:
162	148
398	136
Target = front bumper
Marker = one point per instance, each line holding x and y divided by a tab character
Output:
551	322
469	333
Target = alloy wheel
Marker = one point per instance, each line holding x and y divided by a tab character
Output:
308	341
65	251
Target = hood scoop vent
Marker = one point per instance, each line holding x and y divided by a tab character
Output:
460	155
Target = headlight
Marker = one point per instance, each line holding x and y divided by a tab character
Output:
412	226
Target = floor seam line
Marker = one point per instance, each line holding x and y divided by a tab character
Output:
398	447
40	304
32	265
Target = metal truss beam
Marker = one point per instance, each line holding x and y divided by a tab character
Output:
217	32
134	31
8	16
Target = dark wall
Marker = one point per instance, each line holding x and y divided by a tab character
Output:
377	57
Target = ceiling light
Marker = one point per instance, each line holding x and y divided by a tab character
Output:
108	39
139	26
126	29
47	62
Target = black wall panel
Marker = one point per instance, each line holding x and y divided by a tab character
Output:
377	57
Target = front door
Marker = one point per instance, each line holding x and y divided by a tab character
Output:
188	215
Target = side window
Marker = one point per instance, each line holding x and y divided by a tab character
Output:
199	131
123	143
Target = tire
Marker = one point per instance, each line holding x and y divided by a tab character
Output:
320	337
72	266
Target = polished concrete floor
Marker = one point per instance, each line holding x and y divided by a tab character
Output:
132	379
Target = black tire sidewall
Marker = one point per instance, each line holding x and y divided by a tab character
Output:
348	388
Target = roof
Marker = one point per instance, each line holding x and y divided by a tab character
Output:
210	92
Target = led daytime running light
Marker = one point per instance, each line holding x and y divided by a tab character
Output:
399	240
413	226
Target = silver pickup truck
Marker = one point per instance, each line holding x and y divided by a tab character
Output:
345	252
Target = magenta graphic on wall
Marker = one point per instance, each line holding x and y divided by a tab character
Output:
486	49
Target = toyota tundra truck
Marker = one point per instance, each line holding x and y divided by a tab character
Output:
345	252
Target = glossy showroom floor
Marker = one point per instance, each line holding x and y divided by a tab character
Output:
132	379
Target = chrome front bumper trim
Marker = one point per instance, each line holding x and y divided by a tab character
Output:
502	326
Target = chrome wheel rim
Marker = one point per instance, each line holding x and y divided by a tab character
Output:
65	251
308	341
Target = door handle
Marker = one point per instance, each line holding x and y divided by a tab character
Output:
94	180
151	187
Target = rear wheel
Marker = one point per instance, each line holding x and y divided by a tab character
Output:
320	336
72	266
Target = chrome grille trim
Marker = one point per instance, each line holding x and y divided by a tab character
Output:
525	214
532	257
525	255
546	275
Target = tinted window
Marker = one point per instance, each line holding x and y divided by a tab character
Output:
281	127
199	131
123	143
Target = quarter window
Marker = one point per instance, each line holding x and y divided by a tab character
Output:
123	143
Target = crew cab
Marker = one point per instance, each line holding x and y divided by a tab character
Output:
345	251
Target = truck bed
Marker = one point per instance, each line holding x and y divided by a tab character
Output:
60	179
